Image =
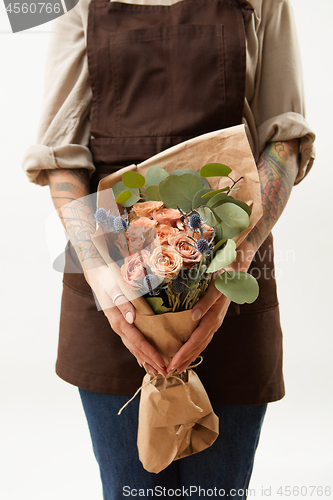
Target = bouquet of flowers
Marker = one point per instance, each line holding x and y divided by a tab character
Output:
177	233
171	230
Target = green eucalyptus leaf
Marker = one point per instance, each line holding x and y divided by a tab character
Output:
212	193
123	196
153	193
119	187
155	303
223	257
218	199
219	244
232	215
197	200
238	286
179	191
243	205
215	170
229	232
155	175
133	180
219	233
182	171
207	216
163	309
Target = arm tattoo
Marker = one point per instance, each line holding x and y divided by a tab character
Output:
69	190
277	169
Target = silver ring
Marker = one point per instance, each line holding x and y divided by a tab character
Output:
117	297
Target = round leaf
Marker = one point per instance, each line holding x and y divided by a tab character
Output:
238	286
119	187
223	257
216	192
180	191
215	170
197	200
133	180
124	196
155	175
153	193
228	232
218	199
207	216
232	215
182	171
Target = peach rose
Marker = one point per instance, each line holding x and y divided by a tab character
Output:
182	243
147	227
163	233
146	208
135	238
167	216
165	262
132	271
145	222
180	225
207	232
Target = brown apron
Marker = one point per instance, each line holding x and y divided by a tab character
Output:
161	75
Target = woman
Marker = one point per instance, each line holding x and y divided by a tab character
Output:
125	81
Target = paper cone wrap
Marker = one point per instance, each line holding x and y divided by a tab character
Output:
176	418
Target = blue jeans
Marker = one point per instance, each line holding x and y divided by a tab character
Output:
224	468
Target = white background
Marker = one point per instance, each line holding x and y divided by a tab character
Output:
45	448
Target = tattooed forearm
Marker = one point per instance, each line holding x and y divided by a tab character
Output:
277	169
69	190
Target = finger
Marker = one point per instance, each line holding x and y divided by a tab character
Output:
150	370
121	302
147	367
148	361
199	338
206	302
124	306
194	355
134	340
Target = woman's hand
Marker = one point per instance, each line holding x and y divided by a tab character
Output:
121	315
212	309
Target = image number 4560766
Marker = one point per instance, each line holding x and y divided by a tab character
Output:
23	15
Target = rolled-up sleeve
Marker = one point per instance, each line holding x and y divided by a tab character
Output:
64	125
278	101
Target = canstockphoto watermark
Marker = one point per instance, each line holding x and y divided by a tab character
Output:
184	492
25	14
302	491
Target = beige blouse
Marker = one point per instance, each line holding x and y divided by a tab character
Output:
273	105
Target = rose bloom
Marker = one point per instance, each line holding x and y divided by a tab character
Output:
145	222
165	262
163	233
167	216
207	232
135	238
132	270
146	208
147	227
182	243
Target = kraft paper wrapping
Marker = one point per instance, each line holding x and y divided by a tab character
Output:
176	418
170	425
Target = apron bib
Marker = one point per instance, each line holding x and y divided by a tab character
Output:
161	75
